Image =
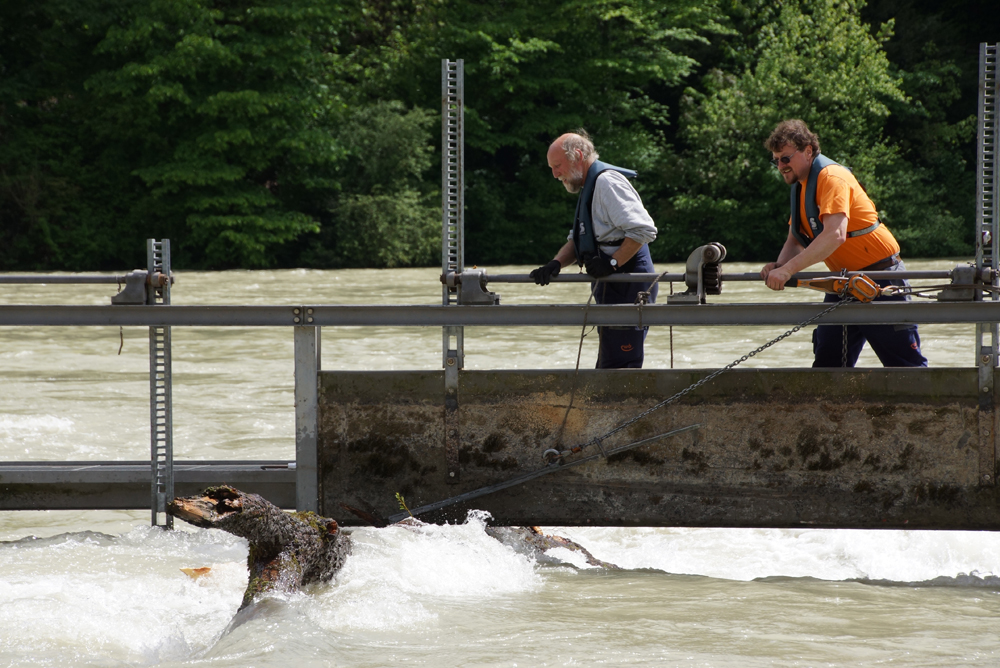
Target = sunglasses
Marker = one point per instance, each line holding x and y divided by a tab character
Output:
785	159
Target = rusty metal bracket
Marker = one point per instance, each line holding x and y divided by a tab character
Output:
134	293
470	286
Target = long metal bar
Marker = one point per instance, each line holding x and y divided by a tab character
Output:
529	315
62	279
519	278
987	239
742	276
452	243
452	171
306	418
161	442
138	471
124	485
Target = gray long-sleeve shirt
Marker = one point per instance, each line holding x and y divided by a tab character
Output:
617	211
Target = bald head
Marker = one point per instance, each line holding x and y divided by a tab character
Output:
569	158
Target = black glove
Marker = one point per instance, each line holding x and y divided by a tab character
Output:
598	267
543	275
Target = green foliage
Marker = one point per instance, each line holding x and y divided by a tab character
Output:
203	122
43	147
402	503
808	59
303	132
224	105
386	215
536	70
926	191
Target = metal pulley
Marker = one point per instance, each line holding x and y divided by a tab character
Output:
702	275
136	285
471	287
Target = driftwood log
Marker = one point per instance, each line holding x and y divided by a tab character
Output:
530	541
287	550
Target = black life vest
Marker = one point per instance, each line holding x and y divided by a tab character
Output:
812	208
584	241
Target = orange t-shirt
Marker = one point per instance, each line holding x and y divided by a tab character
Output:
837	191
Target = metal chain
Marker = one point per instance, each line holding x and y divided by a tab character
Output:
843	346
714	374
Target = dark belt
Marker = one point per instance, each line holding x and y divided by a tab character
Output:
887	263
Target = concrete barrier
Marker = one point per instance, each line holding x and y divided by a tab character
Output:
868	448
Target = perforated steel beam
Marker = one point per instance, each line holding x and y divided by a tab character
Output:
452	243
987	240
161	422
124	485
558	315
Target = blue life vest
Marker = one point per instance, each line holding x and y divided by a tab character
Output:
812	208
584	240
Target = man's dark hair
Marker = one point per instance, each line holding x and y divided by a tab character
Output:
793	131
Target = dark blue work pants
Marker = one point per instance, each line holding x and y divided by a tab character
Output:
622	347
895	345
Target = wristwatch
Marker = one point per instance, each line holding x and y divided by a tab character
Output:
614	264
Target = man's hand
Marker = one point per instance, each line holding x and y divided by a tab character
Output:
767	269
598	267
543	275
777	277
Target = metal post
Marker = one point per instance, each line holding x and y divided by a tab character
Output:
452	241
987	255
161	441
306	418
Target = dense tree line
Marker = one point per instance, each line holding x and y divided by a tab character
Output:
257	133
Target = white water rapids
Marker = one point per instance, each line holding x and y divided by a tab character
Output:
99	588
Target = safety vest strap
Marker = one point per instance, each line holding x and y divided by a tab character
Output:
584	240
820	163
865	230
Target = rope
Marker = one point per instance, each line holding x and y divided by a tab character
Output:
576	371
706	379
642	297
554	456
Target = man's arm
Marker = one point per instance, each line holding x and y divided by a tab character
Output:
627	250
566	255
834	234
791	248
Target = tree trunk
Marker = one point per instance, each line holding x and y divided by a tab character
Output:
287	550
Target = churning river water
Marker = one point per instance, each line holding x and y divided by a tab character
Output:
101	588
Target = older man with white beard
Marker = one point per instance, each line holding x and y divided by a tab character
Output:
611	232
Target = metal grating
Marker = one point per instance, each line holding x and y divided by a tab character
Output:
452	197
987	256
452	242
986	186
452	170
160	395
986	189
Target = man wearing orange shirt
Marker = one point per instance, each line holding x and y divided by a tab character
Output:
833	221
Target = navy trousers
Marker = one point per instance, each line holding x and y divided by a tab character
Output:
622	347
895	345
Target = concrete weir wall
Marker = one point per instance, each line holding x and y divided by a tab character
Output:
876	448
